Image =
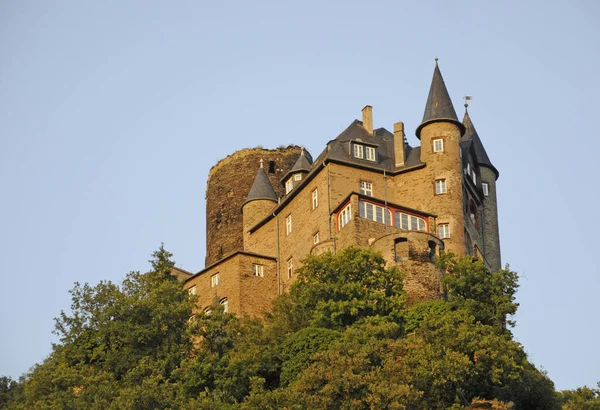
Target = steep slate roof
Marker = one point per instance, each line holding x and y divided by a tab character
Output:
439	105
261	188
303	164
339	149
480	154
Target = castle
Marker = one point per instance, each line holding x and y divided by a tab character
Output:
266	210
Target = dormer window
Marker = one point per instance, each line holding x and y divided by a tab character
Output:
289	185
358	151
297	177
370	151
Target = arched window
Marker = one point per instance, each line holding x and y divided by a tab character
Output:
374	212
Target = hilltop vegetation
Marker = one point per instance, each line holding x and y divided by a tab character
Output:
343	338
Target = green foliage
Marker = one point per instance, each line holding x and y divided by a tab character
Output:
337	290
582	398
490	297
342	338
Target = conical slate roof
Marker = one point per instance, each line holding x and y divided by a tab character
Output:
480	154
439	105
261	188
302	164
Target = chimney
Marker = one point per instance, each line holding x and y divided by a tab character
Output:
368	118
399	143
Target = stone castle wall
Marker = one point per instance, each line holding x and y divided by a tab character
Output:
229	182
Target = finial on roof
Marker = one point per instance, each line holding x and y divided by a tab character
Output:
261	163
467	98
439	106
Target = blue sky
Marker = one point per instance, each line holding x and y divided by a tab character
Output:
112	113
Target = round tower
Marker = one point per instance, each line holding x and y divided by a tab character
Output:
440	133
228	186
489	175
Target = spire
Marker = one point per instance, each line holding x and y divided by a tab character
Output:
261	188
471	134
303	163
439	106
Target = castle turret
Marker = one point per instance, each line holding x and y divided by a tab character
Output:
489	175
260	201
298	172
440	133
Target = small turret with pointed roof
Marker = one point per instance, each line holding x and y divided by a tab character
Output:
471	134
261	188
302	166
439	105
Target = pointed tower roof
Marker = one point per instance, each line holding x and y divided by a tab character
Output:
261	188
439	105
303	164
471	134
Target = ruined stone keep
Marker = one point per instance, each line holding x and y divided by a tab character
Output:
266	210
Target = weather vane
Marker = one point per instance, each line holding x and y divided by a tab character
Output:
467	98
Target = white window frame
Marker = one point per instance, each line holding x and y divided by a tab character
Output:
258	270
193	291
370	154
485	188
444	231
440	186
316	238
474	177
215	280
345	216
315	198
408	222
290	267
289	185
366	188
225	303
297	177
288	224
468	168
374	212
358	151
441	145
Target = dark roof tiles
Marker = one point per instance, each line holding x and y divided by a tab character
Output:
480	154
439	105
261	188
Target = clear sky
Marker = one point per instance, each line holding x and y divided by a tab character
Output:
113	112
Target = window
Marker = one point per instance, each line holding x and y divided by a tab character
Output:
370	151
438	145
345	216
409	222
474	177
289	185
315	199
297	177
366	188
374	212
358	151
271	167
468	171
440	186
316	238
288	225
208	311
444	230
225	303
215	280
486	190
258	270
192	290
290	267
